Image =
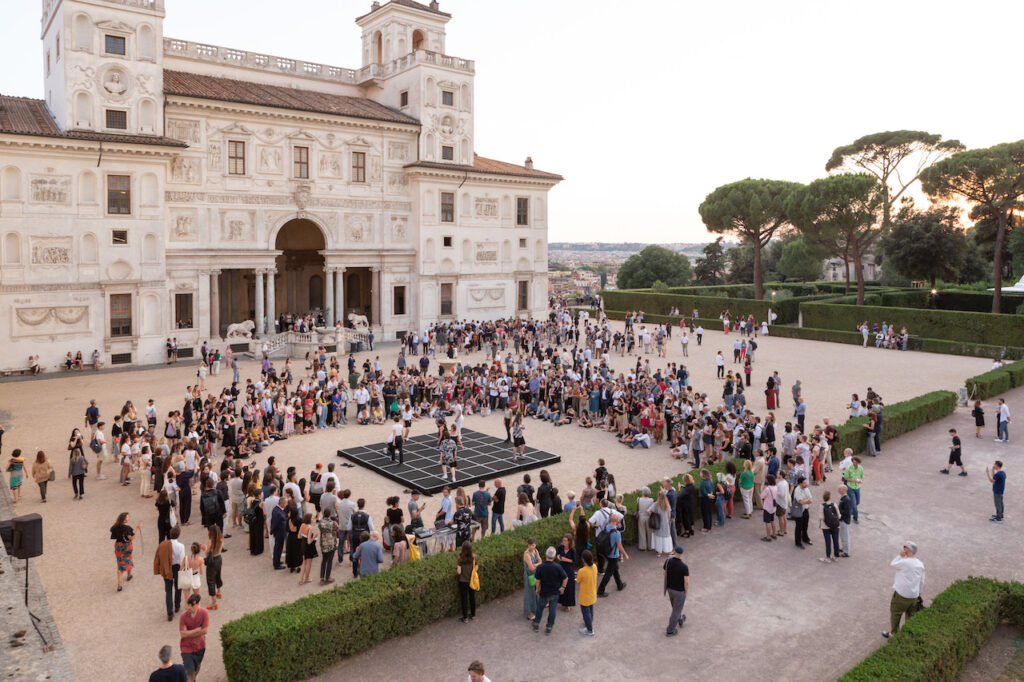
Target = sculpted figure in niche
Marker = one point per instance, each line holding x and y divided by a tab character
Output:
183	227
270	158
114	85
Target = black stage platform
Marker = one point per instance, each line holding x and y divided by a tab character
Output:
483	457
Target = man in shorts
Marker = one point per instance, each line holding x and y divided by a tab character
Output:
954	455
193	626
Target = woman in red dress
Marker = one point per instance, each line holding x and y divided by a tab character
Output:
769	394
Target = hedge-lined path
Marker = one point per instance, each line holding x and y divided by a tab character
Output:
755	609
78	569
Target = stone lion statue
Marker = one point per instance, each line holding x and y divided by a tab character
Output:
242	329
359	322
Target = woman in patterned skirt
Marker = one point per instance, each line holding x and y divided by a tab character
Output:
122	534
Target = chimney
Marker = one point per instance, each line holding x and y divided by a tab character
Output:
529	162
375	6
434	5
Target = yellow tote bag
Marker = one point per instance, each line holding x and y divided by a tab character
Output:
474	580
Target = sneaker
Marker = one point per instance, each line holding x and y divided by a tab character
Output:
547	631
996	520
962	473
101	477
682	620
622	587
602	594
943	471
825	560
998	440
587	633
886	635
672	633
535	626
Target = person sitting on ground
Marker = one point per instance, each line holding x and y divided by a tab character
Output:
567	418
584	420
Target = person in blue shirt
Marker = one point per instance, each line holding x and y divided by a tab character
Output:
997	477
617	553
481	503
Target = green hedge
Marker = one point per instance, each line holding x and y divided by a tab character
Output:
935	643
898	418
981	350
303	638
996	381
660	304
966	301
947	325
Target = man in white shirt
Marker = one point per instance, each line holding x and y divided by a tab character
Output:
906	587
1003	426
686	345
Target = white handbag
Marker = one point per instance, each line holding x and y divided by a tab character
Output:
185	579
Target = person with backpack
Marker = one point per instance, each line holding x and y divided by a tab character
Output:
359	523
845	513
609	544
211	506
829	523
316	485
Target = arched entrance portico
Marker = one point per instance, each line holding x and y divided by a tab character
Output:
299	281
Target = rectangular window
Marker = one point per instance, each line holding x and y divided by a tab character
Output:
119	237
114	45
399	301
446	300
522	210
358	166
522	243
403	98
448	153
119	195
448	98
236	158
301	162
446	241
447	207
183	311
47	63
523	299
120	314
117	120
58	48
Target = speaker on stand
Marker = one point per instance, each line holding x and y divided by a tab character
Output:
27	543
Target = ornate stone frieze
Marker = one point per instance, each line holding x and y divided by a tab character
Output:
51	251
50	189
46	320
183	129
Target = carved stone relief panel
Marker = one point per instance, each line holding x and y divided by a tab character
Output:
183	129
237	226
486	252
358	228
399	228
486	297
213	156
330	165
183	227
486	207
50	189
51	251
270	159
185	169
398	151
115	83
397	183
47	320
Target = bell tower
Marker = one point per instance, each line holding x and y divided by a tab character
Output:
404	56
103	65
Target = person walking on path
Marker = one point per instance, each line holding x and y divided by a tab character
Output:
531	561
616	554
802	497
587	579
829	523
1003	425
41	472
997	477
193	626
677	584
954	455
551	581
122	534
170	554
845	512
906	588
979	418
853	476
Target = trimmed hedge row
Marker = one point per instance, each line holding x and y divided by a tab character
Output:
937	642
996	381
949	325
659	304
965	301
303	638
982	350
899	418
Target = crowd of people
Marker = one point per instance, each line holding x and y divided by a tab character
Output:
885	335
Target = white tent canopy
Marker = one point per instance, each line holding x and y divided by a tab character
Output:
1018	287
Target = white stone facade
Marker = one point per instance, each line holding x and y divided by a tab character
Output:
178	188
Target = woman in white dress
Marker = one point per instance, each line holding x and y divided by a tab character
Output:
525	511
661	537
764	328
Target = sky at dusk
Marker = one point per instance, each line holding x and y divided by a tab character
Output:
647	107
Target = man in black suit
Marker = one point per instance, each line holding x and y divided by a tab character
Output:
279	529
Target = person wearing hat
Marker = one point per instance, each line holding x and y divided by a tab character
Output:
906	588
677	584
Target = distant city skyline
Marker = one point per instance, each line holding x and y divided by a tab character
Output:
646	112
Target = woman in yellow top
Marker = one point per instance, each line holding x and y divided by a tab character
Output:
586	577
41	469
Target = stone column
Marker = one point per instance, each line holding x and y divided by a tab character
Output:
375	296
214	304
259	304
271	302
329	312
339	295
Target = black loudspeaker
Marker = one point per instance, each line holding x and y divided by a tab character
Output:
27	540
